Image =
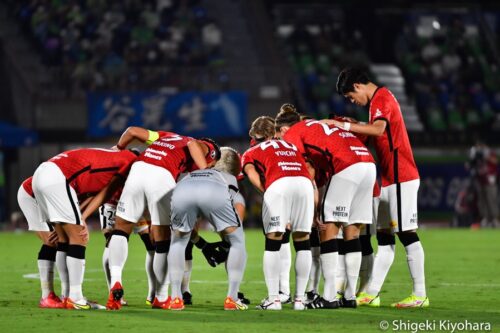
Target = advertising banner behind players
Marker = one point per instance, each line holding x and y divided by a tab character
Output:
190	113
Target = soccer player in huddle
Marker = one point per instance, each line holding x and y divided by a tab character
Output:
150	182
57	184
348	196
277	169
47	256
400	183
210	193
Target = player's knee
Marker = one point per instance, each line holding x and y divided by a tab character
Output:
162	246
329	246
76	251
366	245
353	245
304	245
341	245
47	253
117	232
385	239
408	238
235	239
62	246
147	242
273	245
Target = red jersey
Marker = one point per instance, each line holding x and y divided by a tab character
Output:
170	151
89	170
28	187
393	148
275	159
329	148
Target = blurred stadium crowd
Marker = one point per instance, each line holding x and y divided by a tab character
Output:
441	61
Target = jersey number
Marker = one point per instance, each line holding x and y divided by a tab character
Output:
276	145
328	130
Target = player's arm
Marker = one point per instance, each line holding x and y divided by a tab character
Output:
253	176
136	133
85	203
103	196
375	129
198	151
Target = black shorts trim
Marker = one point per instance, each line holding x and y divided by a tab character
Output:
73	205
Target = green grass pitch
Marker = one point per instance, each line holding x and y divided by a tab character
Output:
463	283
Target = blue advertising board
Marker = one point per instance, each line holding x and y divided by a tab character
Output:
196	114
440	184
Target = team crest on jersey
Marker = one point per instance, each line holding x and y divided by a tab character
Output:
213	154
378	113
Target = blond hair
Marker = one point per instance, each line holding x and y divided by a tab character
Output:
229	161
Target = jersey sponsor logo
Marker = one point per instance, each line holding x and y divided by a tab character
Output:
414	218
275	221
360	151
120	207
153	153
290	166
340	211
345	135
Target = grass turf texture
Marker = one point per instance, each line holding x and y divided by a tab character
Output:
462	269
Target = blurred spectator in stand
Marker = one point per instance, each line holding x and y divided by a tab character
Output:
483	166
465	207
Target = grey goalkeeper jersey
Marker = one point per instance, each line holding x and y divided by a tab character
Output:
220	178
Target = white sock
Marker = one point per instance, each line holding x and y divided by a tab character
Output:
160	267
352	265
118	252
62	269
176	262
151	274
272	273
46	270
188	268
415	257
329	269
340	279
285	265
303	259
76	270
365	272
381	265
105	266
315	274
236	261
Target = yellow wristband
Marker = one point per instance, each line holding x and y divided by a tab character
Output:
152	137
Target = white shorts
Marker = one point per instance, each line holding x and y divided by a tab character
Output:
57	200
146	184
349	194
398	206
31	212
288	200
107	213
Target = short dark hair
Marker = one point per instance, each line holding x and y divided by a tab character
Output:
286	117
348	77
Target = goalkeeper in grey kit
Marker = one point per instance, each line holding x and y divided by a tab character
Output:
211	193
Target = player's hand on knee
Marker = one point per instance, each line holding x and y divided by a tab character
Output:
53	237
84	233
222	251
